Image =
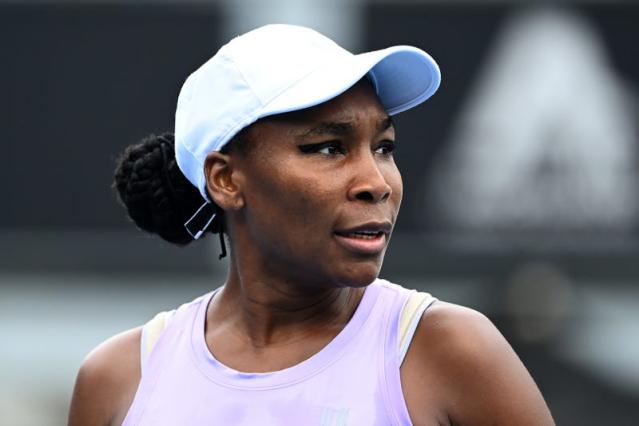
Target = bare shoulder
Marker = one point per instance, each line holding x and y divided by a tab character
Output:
477	375
107	381
463	334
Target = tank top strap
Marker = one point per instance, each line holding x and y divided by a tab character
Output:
404	310
164	329
410	316
151	331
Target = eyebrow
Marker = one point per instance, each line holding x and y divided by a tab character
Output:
342	128
387	123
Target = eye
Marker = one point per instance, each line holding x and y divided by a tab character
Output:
385	148
325	148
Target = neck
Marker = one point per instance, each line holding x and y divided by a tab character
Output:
264	310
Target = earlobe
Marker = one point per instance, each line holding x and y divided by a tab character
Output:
221	181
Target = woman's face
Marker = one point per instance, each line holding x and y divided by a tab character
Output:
321	191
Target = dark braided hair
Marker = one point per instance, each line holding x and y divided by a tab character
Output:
157	196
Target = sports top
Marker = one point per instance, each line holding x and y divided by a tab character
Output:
353	380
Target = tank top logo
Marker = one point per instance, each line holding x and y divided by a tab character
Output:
334	417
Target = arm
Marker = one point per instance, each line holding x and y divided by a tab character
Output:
107	381
460	370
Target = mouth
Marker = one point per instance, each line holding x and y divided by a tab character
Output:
367	239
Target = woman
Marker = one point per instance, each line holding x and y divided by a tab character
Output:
284	141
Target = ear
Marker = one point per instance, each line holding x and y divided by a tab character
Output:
222	181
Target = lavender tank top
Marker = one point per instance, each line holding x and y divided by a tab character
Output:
354	380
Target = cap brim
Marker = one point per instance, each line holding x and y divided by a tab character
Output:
403	76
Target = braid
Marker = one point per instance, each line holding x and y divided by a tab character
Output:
157	196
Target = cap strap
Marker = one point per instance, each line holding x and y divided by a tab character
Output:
201	220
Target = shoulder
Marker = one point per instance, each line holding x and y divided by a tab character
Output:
465	332
478	377
107	381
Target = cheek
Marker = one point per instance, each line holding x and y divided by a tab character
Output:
288	203
290	219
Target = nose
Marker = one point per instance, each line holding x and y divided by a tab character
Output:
369	183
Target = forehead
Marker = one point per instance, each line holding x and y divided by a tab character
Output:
359	105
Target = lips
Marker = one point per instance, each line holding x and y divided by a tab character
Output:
369	238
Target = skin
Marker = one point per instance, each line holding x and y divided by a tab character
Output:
292	286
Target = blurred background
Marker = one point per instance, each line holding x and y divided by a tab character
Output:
521	179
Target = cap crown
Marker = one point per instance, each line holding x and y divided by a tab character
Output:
275	57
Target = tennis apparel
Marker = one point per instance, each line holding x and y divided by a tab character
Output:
354	380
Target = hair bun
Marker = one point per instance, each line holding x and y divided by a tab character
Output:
157	196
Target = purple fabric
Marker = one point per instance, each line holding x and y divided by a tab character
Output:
354	380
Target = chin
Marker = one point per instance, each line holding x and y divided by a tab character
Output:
359	275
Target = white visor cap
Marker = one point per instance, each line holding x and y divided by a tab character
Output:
282	68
